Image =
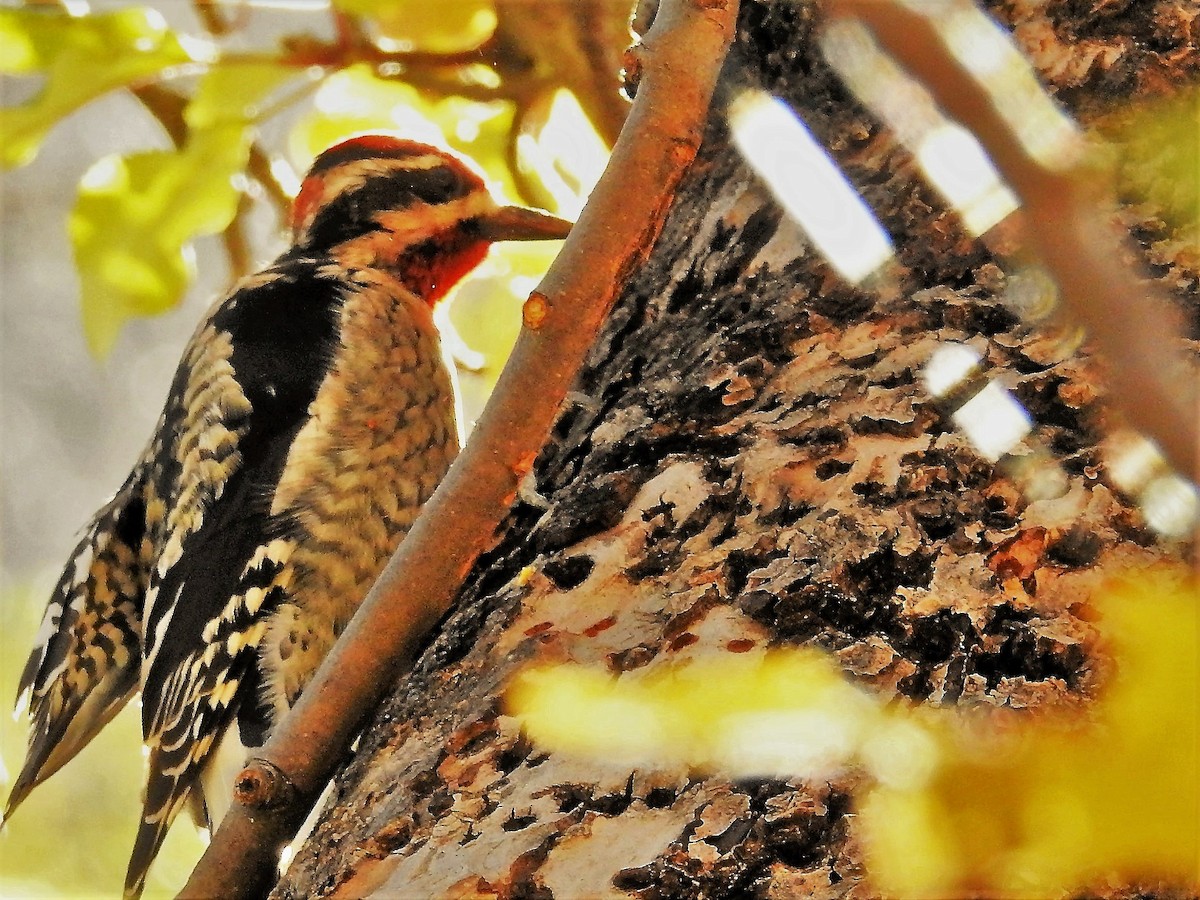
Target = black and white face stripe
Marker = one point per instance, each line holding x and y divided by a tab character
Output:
350	185
363	190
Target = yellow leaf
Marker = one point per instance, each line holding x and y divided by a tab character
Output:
233	93
135	216
356	100
82	57
1017	806
787	712
424	26
127	265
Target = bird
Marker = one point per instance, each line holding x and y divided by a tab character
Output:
311	416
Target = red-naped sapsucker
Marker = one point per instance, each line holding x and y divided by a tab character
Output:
310	418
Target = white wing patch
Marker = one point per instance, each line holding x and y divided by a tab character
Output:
215	416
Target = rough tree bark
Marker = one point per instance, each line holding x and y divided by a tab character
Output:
749	461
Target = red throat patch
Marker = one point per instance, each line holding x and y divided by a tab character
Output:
431	274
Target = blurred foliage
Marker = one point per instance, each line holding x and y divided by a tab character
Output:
1057	803
81	58
429	27
989	802
129	229
1158	154
469	76
769	714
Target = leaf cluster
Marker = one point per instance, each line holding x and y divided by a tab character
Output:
478	77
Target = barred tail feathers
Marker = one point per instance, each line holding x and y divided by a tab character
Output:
86	662
166	795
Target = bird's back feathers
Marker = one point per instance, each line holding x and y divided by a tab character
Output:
246	383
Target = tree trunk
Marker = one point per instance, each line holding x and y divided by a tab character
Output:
750	461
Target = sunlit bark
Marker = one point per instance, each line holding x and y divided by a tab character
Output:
749	460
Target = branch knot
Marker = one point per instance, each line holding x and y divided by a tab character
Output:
263	785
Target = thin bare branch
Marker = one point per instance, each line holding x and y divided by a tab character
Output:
436	83
167	107
528	186
259	168
237	249
573	45
682	56
213	18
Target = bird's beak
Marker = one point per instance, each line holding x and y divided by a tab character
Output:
516	223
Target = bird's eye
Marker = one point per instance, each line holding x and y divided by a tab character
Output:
437	185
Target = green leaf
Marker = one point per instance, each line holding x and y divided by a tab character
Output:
1158	156
82	58
135	215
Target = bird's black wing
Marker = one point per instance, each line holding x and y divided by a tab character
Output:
241	394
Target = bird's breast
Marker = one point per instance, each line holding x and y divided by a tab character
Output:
380	435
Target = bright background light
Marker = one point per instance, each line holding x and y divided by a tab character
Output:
808	185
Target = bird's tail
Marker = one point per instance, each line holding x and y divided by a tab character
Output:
85	665
63	724
165	797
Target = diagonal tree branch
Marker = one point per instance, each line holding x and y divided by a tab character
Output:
680	59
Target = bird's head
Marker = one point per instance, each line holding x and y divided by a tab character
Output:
378	201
